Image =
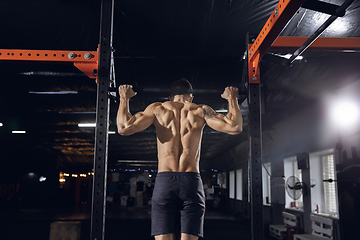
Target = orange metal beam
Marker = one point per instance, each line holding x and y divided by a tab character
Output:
347	44
85	61
281	15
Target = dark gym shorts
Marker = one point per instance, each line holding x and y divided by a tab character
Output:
178	204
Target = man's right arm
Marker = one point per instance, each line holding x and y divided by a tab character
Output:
232	122
127	123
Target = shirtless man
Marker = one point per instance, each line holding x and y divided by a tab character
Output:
178	197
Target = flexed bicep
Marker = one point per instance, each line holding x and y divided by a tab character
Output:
219	122
213	119
138	122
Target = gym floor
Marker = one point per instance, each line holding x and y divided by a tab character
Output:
120	224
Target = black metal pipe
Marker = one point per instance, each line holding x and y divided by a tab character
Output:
323	7
318	32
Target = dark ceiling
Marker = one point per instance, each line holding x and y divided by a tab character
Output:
156	42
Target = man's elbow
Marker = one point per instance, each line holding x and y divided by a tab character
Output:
123	131
237	130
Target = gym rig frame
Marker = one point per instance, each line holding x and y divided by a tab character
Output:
99	65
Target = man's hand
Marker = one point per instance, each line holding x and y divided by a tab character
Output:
230	93
126	91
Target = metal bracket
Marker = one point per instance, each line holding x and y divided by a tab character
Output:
85	61
281	15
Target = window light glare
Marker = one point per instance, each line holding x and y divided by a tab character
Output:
20	132
345	113
87	125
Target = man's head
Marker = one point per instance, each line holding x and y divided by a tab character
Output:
183	85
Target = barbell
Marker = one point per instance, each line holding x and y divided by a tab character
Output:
179	91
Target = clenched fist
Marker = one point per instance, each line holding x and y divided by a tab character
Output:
230	92
126	91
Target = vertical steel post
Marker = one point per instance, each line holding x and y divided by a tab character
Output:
255	156
102	122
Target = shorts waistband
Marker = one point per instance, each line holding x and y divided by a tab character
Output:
177	174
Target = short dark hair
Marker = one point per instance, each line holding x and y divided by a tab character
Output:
183	84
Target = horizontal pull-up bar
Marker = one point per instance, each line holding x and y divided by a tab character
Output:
194	91
179	91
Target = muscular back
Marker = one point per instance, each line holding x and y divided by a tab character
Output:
179	130
179	124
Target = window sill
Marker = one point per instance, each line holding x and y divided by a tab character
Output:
295	209
328	215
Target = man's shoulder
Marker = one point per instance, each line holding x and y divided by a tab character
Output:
154	105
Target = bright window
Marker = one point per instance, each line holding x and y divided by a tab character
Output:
330	188
239	184
266	184
232	184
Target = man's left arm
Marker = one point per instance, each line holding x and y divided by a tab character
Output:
128	124
232	122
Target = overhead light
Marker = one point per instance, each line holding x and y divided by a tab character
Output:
142	164
74	175
53	74
221	110
82	175
42	179
62	180
297	58
112	132
66	174
54	93
87	124
18	131
137	161
85	112
1	124
288	56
